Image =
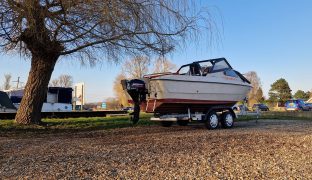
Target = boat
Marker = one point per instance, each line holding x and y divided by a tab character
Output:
195	87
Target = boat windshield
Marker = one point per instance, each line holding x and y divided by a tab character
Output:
220	65
204	67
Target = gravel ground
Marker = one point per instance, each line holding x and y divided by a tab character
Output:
263	149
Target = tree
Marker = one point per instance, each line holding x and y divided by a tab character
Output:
62	81
54	83
45	30
163	65
302	95
119	92
255	95
136	67
280	91
7	82
112	104
259	95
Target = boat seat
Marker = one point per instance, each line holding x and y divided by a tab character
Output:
207	70
195	69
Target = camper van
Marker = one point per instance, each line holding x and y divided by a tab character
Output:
59	99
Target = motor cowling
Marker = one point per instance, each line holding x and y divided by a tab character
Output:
136	89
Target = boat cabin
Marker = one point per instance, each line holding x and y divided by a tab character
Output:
202	68
205	67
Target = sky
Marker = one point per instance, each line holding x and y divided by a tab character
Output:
271	37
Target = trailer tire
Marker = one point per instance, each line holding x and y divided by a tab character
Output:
212	120
227	120
166	123
182	122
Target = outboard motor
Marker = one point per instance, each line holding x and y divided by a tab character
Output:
137	91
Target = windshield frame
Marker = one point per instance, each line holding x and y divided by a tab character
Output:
212	61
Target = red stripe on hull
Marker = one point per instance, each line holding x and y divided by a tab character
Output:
191	101
181	105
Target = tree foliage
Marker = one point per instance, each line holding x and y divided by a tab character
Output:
136	67
7	82
63	80
114	26
112	104
48	29
259	96
162	64
280	91
119	92
255	95
302	95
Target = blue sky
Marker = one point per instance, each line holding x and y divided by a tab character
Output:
271	37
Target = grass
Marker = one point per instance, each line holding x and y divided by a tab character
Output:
100	123
74	124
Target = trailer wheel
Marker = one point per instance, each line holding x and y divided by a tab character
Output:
166	123
212	120
182	122
227	120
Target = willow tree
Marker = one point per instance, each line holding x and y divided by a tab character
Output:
163	64
255	95
45	30
136	67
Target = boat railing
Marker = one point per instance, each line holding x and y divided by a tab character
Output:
158	74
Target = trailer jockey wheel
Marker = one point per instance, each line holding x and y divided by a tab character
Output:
227	120
212	120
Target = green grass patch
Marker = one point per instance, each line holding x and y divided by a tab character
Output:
75	124
9	127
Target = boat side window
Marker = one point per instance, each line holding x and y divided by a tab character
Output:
220	65
184	70
206	70
195	69
231	73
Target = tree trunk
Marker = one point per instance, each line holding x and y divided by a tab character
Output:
36	88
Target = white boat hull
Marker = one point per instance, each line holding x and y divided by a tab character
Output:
175	91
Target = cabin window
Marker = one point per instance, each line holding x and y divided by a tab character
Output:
195	69
231	73
220	65
184	70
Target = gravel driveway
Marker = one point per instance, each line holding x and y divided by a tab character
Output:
266	149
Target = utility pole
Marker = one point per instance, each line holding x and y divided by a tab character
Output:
18	82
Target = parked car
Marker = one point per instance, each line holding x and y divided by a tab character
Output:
261	107
296	105
240	107
127	109
309	105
